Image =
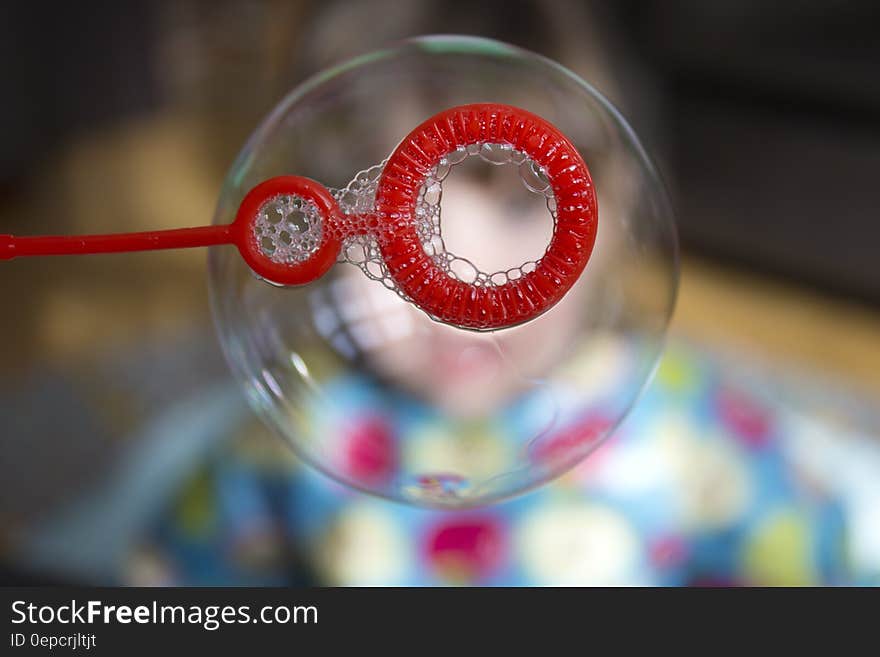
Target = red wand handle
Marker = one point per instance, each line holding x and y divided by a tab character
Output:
178	238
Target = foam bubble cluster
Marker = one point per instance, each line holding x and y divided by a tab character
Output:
288	229
361	247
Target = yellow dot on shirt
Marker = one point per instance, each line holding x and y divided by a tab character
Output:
195	509
578	544
363	546
676	372
473	451
779	552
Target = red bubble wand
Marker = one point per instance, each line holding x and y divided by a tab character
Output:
394	225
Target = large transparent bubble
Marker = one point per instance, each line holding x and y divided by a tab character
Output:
369	389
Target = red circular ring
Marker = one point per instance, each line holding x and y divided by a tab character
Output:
248	244
467	305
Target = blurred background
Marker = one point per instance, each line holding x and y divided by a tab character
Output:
122	424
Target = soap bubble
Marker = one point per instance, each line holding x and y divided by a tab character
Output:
369	389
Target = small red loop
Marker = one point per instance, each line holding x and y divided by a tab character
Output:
248	243
484	307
